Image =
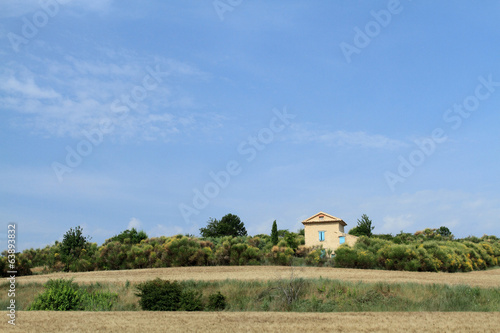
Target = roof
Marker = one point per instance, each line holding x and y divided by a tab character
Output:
326	218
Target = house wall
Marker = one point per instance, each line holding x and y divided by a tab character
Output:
350	239
332	233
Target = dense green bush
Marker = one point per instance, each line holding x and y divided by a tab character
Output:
216	302
162	295
159	295
65	295
59	295
190	300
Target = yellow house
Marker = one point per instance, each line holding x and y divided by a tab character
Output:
327	230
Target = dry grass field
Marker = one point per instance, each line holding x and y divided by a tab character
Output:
261	322
141	321
489	278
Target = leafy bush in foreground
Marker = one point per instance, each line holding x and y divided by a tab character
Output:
65	295
159	295
162	295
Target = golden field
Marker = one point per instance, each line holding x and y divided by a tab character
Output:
489	278
142	321
261	322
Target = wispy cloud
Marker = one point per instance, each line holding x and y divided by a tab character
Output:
341	138
27	88
142	96
19	8
134	223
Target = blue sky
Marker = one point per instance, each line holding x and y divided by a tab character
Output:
159	115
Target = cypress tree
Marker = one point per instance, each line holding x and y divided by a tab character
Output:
274	233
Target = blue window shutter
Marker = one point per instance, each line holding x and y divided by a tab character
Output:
321	236
342	239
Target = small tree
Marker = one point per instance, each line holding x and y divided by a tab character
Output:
73	244
132	235
444	231
274	233
364	227
291	240
229	225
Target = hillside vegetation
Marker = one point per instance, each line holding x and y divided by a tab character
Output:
424	251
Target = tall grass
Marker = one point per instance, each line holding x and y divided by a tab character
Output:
314	295
322	295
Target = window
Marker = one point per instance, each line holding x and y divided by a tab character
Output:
321	217
342	239
321	236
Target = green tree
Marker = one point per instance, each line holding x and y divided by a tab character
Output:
364	227
74	244
132	235
291	240
444	231
274	233
229	225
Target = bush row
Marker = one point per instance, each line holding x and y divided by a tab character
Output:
179	251
425	251
431	255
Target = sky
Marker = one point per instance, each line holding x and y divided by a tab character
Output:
160	115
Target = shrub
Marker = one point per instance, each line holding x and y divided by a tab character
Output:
348	257
190	301
99	301
216	302
59	295
159	295
65	295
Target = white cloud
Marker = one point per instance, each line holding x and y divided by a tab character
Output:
63	98
27	88
134	223
340	138
19	8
